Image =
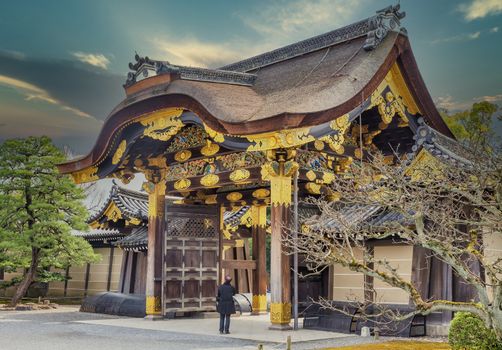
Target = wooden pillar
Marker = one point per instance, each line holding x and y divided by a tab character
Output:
156	218
279	172
258	228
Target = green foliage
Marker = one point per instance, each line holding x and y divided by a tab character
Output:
474	126
468	331
38	209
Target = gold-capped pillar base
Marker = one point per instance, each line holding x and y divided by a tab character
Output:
153	308
259	304
280	316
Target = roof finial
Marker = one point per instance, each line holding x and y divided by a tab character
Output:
385	20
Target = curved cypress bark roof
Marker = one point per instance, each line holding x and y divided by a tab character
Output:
300	85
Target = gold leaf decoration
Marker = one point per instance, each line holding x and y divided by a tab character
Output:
209	180
311	175
239	175
328	178
210	149
215	135
119	152
313	188
182	184
162	125
234	196
319	145
182	156
261	193
86	175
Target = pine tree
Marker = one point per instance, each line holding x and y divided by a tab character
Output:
38	209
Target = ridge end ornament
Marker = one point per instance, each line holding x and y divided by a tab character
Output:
386	20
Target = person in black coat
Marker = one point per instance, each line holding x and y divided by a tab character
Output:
225	306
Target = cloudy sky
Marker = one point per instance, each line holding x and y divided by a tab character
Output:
63	63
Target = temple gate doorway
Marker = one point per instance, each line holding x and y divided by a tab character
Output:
191	262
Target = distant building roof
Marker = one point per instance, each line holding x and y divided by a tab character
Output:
99	234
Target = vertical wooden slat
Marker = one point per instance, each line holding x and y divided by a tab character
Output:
110	268
86	283
123	268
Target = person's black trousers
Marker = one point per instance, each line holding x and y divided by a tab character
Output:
224	322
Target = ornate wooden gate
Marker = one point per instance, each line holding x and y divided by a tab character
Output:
192	258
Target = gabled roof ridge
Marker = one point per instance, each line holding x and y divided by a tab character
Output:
375	27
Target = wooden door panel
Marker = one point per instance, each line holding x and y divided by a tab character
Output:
192	252
192	258
209	259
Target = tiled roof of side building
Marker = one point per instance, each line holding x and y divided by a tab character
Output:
98	234
131	203
440	146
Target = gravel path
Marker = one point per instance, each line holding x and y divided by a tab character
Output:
58	330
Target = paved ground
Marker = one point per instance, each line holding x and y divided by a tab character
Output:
67	329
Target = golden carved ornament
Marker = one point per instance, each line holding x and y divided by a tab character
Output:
153	305
213	134
133	221
261	193
210	199
280	313
113	213
86	175
258	215
334	196
358	153
119	152
239	175
341	123
159	162
313	188
318	145
311	175
279	139
328	178
210	149
336	141
389	106
234	196
279	174
162	125
209	180
368	138
182	184
182	156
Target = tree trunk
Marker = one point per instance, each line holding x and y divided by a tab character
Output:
28	278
